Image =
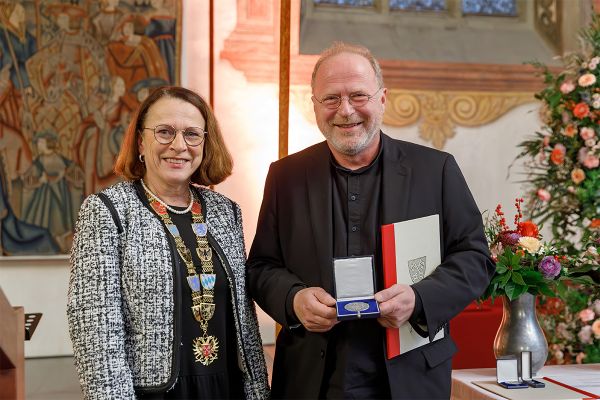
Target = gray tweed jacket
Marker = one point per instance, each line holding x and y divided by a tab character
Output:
123	301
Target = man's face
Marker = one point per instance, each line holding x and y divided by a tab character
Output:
349	130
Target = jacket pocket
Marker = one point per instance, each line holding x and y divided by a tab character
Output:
439	351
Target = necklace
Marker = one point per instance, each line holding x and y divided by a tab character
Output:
173	210
205	347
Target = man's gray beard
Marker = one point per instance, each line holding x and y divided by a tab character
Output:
352	149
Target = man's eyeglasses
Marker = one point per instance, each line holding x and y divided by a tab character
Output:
356	100
165	134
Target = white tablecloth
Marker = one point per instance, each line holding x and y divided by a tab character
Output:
581	376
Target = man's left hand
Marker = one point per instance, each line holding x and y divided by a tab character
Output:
396	305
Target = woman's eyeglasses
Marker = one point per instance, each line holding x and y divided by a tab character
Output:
165	134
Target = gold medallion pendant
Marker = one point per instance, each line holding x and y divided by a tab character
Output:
206	349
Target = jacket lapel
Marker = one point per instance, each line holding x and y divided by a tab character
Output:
395	186
318	183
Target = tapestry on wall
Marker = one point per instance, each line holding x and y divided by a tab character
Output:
71	75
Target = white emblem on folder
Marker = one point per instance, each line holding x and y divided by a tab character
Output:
416	268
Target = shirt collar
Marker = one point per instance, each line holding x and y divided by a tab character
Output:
359	171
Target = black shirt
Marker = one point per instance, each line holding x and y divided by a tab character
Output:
222	378
355	364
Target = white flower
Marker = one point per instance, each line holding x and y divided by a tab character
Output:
530	244
596	104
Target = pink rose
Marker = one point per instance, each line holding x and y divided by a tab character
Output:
579	358
567	87
543	194
546	141
541	157
587	133
585	335
586	80
596	306
586	315
591	161
582	154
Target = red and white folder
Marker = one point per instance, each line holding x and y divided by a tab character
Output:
411	251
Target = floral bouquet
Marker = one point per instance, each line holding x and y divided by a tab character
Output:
572	326
525	264
564	158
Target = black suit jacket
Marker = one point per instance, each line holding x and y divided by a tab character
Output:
293	247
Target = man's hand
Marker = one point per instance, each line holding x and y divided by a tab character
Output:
315	308
396	305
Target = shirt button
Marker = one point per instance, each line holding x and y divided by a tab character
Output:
354	228
353	197
322	353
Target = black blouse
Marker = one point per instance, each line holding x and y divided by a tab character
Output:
222	379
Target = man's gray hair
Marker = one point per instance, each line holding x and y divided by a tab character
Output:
341	47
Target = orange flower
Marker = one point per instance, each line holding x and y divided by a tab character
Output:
595	224
596	328
528	228
581	110
570	130
577	175
558	154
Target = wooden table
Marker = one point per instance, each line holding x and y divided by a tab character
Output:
581	376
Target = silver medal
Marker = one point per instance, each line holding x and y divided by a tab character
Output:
356	306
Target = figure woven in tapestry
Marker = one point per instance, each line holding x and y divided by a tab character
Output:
71	74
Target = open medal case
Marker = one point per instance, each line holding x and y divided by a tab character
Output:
354	279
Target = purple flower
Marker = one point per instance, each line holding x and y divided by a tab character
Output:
550	267
509	238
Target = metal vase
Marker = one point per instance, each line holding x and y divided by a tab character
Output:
520	331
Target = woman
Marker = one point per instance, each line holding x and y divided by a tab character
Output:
157	301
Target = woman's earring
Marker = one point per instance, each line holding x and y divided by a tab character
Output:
141	158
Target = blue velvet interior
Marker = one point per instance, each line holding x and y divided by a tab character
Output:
371	312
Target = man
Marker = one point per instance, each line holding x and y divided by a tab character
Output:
330	200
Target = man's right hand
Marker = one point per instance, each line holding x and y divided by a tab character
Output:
315	308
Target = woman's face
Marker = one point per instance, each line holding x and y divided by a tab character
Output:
170	165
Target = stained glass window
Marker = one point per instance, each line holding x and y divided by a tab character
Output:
418	5
490	7
351	3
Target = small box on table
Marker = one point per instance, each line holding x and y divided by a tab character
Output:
507	373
